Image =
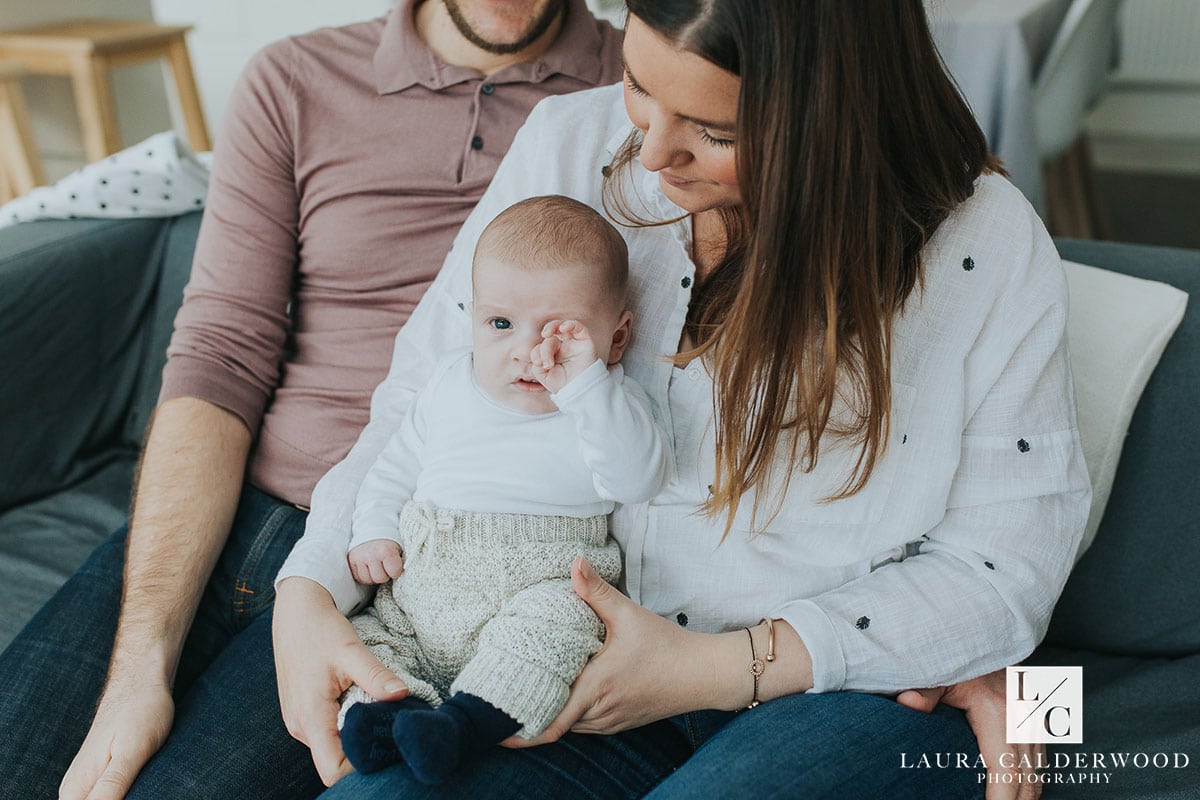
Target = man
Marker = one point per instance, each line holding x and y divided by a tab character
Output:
347	160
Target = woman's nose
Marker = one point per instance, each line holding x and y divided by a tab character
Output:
658	147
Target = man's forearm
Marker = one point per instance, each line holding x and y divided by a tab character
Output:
185	498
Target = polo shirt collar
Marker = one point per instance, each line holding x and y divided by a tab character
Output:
403	60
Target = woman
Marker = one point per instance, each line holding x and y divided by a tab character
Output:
868	397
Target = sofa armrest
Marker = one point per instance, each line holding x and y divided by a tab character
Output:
74	300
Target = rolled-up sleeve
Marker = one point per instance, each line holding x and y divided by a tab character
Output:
232	328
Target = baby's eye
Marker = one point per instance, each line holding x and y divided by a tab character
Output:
500	323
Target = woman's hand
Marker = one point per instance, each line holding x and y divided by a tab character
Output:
318	655
983	699
647	669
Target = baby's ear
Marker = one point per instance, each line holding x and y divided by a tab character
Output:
620	337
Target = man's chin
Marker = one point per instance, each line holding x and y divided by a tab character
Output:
515	43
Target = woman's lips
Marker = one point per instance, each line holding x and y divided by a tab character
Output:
680	183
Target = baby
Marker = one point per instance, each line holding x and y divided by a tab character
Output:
501	475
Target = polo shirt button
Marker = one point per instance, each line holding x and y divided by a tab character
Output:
477	143
488	88
693	374
686	282
682	619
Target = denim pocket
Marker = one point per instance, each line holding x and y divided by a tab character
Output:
276	529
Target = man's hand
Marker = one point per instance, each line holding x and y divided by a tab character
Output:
983	699
131	724
318	656
376	561
566	350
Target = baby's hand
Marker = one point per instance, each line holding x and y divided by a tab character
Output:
376	561
566	350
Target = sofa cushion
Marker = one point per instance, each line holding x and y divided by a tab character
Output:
44	541
73	297
178	242
1136	591
1132	705
1117	329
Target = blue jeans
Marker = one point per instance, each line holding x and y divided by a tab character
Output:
228	738
229	741
842	746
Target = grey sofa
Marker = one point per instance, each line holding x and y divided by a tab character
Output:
85	315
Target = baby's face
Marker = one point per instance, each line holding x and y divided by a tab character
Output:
510	308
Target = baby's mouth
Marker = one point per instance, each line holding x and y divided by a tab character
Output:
528	385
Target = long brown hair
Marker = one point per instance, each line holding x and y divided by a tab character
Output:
852	146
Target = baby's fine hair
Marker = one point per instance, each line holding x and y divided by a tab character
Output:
554	231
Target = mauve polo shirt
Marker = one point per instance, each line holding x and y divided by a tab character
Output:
346	161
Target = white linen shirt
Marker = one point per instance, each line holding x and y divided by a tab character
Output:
459	448
946	565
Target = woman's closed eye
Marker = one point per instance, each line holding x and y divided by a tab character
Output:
717	141
500	323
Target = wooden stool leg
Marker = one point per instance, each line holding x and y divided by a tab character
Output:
94	101
19	163
189	97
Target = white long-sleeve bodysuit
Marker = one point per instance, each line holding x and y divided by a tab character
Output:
491	506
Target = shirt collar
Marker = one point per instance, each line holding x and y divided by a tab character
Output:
403	60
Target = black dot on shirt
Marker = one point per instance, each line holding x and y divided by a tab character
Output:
462	307
682	619
133	209
41	206
905	439
149	154
135	190
989	565
1023	445
73	196
137	173
103	206
488	88
968	263
686	282
104	181
605	170
198	201
477	143
166	181
166	197
863	623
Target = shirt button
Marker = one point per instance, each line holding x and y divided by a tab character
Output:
682	619
686	282
693	374
477	143
488	88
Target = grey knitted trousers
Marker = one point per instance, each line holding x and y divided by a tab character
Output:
485	606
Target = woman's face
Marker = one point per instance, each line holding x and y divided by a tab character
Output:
687	109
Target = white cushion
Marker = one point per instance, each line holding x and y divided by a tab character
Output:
1117	329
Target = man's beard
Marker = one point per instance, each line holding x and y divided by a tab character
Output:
540	26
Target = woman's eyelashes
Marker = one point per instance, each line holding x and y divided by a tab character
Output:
634	86
717	141
500	323
708	138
